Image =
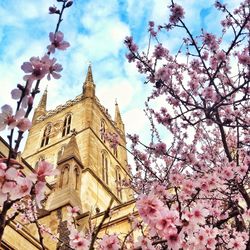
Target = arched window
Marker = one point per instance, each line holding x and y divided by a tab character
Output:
46	133
118	183
66	125
104	167
76	178
64	176
103	130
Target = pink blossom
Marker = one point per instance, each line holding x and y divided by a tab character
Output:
237	244
53	67
208	93
57	42
164	73
174	241
110	242
8	119
210	40
9	187
22	188
160	148
244	58
160	51
149	207
3	166
24	124
199	214
35	68
77	240
73	211
112	138
221	56
130	44
44	169
151	28
166	223
8	175
227	173
144	243
177	12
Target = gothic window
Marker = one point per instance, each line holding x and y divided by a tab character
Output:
104	167
64	176
76	179
46	134
66	125
103	130
118	182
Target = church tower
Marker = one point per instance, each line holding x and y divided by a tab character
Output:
90	172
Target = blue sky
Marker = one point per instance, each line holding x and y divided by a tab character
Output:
96	30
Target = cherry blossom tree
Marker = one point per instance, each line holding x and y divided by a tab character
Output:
195	182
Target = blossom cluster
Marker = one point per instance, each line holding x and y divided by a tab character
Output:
14	185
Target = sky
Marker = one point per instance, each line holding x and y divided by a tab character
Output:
96	30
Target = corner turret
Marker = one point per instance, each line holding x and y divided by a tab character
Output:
89	86
118	119
41	108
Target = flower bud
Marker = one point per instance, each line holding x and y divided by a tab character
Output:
69	3
30	100
52	9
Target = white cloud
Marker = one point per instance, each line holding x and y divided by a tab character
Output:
136	121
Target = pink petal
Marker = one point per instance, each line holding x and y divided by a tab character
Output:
2	126
20	113
16	94
27	67
7	110
51	37
59	36
63	45
56	75
24	124
51	48
11	174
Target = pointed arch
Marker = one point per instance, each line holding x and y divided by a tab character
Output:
64	178
105	166
46	134
118	178
66	125
103	129
76	178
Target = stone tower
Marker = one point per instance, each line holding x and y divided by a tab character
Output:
90	172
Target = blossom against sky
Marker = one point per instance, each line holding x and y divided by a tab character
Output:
96	30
